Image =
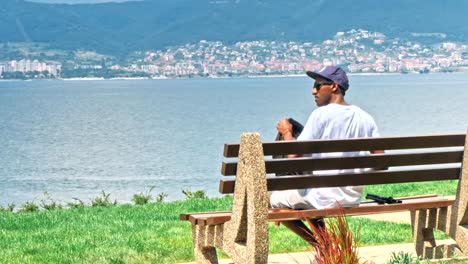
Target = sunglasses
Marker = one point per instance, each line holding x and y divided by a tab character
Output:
319	85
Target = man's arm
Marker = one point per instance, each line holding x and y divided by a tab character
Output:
377	151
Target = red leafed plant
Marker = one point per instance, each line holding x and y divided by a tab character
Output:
335	243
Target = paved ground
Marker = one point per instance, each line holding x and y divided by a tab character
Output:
374	254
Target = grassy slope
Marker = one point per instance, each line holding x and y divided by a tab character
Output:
153	234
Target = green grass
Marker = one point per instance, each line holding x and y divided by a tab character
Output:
153	233
441	188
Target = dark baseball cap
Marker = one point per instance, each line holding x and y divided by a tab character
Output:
332	73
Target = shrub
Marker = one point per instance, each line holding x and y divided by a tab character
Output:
9	208
48	203
403	258
334	244
77	204
200	194
103	200
29	207
142	198
160	197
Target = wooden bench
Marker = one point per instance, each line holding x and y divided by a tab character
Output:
243	234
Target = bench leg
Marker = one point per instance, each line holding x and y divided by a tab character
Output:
205	241
205	255
423	223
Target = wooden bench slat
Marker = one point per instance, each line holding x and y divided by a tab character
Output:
360	210
370	161
186	216
365	178
200	219
363	209
358	144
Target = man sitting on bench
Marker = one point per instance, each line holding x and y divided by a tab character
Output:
333	119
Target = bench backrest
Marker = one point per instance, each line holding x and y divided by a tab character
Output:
404	156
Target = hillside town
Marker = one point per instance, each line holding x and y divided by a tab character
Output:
359	51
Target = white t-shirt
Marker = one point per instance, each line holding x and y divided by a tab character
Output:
335	121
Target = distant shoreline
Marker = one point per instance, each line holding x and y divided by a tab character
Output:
225	77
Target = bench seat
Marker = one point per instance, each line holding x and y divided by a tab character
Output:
366	208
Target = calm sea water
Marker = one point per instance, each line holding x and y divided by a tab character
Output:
74	139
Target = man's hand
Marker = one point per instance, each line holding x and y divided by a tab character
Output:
285	128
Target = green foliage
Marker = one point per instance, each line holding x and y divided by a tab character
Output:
149	24
442	188
142	198
31	51
198	194
76	204
160	197
103	200
49	204
26	75
104	73
14	75
403	258
9	208
29	207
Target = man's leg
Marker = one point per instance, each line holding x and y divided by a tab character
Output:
291	199
300	229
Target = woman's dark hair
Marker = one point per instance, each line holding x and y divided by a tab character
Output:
343	91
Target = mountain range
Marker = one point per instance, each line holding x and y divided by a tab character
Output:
119	28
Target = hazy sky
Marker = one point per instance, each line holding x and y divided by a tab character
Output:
78	1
